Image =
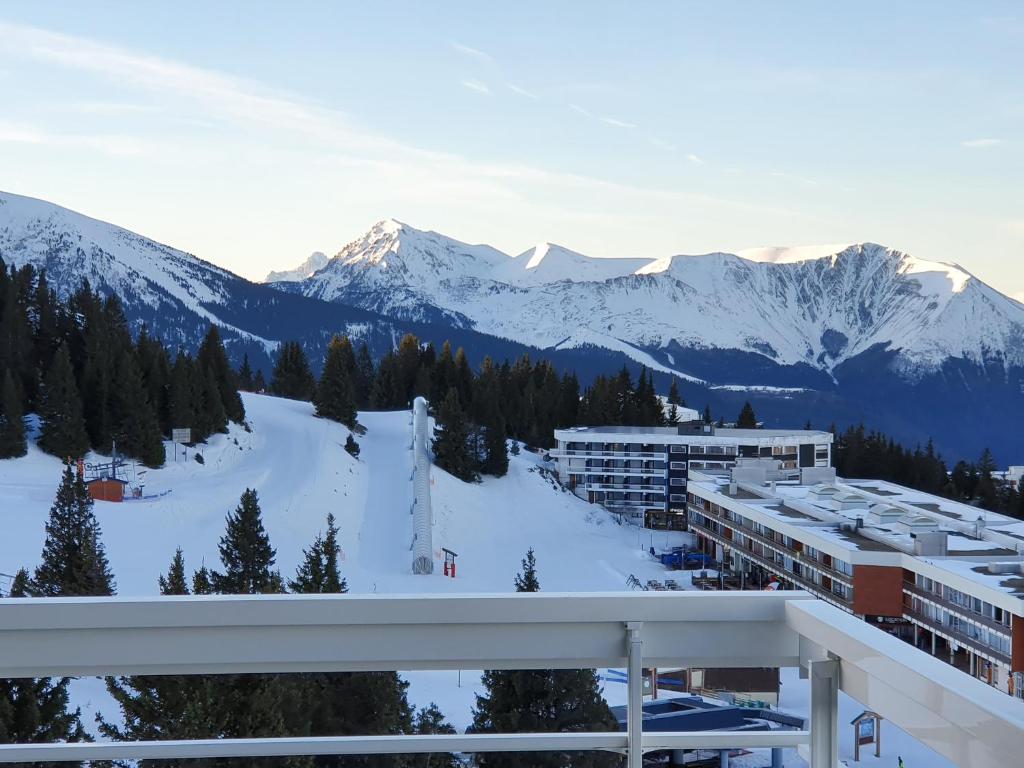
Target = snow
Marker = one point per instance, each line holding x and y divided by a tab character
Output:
818	305
301	471
317	260
791	254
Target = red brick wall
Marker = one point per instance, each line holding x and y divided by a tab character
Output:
877	590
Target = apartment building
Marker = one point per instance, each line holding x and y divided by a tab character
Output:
945	576
642	472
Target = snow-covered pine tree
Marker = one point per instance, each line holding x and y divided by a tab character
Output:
335	396
74	562
12	422
451	440
63	428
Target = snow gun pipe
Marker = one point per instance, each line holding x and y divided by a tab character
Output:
423	549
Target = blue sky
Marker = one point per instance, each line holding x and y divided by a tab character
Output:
254	133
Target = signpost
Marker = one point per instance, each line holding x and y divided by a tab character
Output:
181	436
867	729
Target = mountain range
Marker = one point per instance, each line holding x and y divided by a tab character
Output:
848	333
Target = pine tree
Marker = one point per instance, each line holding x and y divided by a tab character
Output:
335	396
351	446
747	418
707	414
182	397
74	562
210	414
136	428
292	377
245	380
319	572
541	701
258	383
673	393
527	581
174	582
202	584
451	436
12	422
246	553
364	376
211	356
429	720
63	429
21	585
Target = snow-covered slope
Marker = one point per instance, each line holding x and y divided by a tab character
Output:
317	260
72	247
490	524
579	547
814	305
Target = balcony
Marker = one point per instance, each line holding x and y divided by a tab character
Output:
775	567
964	720
961	611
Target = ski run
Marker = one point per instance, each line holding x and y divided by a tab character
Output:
301	471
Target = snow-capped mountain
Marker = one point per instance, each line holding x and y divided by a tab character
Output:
316	260
814	306
177	295
834	334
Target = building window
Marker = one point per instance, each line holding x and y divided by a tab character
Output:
677	497
678	449
677	481
677	465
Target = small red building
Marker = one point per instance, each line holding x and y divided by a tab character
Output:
106	489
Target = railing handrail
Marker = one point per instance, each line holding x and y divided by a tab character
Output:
963	719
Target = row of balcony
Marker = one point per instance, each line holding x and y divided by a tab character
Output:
777	568
770	541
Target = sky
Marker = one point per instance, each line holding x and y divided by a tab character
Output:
253	133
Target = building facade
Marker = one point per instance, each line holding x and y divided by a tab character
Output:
642	472
944	576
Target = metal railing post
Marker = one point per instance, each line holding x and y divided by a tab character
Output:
824	676
635	684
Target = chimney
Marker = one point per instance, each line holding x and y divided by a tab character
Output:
860	523
733	488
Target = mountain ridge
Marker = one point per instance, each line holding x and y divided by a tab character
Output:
809	304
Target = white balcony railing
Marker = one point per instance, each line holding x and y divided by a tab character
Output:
962	719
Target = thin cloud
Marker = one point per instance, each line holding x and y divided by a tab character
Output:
476	53
661	144
581	110
617	123
521	91
694	159
476	85
392	164
981	143
119	146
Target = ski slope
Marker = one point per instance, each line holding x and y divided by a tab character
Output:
298	465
